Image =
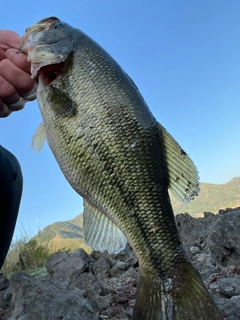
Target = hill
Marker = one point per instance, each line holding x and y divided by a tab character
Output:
64	235
69	234
212	197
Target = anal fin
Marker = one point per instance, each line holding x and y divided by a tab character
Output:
99	232
38	138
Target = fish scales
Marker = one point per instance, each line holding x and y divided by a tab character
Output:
121	161
105	146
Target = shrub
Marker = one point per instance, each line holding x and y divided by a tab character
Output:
24	255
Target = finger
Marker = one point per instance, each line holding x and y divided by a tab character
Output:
18	105
4	110
19	59
8	93
8	39
21	80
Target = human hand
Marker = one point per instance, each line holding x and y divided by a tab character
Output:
16	85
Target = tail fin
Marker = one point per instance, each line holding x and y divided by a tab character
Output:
182	298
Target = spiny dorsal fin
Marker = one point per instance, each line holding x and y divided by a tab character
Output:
99	232
38	138
183	174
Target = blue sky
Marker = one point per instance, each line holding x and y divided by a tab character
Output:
184	58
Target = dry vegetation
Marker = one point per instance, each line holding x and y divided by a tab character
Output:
25	254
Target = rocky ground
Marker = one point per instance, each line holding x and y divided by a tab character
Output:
102	286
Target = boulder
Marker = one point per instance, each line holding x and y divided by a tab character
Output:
224	239
68	266
42	298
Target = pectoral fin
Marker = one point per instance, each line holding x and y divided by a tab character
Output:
61	103
183	174
38	138
99	232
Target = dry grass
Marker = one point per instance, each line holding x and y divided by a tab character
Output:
25	254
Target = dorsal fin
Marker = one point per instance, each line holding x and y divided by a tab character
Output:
183	174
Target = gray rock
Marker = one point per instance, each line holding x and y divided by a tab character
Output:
5	298
129	312
208	214
189	227
229	308
101	266
206	273
4	282
99	302
229	286
221	211
195	249
202	258
203	264
193	232
109	313
87	281
41	298
115	271
128	256
224	239
122	265
68	266
119	268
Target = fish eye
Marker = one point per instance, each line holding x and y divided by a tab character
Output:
55	25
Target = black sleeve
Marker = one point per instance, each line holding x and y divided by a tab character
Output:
11	184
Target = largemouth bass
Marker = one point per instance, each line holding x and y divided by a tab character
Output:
121	161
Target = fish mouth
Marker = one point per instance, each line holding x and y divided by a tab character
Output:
49	73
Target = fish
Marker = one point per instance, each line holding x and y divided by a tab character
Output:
115	154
